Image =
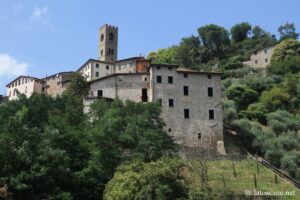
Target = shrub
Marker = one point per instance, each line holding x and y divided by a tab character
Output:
288	163
161	179
242	95
276	98
282	121
229	111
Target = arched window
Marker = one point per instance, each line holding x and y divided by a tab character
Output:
102	37
111	36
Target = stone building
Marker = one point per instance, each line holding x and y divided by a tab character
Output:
93	69
52	85
190	100
56	84
260	58
108	43
25	85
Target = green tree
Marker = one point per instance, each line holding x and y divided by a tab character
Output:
282	121
258	32
240	32
276	98
214	38
162	179
229	111
242	95
287	30
187	52
78	86
289	163
291	65
151	55
286	49
137	128
166	56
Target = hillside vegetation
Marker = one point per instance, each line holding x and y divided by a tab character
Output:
263	110
50	149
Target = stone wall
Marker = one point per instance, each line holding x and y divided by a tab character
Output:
57	84
24	85
106	45
260	58
123	86
186	131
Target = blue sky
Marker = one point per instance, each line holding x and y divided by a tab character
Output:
39	37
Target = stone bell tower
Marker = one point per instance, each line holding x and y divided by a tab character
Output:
108	43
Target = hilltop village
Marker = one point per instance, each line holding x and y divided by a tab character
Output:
190	100
231	102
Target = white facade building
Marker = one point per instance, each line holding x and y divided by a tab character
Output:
260	58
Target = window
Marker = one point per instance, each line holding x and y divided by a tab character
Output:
171	102
101	52
145	79
185	75
97	74
26	89
210	91
159	101
170	79
158	67
169	68
158	79
186	113
170	130
9	93
266	51
209	76
97	65
99	93
111	52
26	80
211	114
256	62
144	95
111	36
199	136
266	60
107	67
185	90
102	38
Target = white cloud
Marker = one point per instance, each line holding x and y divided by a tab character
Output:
40	14
10	66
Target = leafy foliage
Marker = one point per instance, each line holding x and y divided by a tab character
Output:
286	49
287	30
240	32
242	95
162	179
49	149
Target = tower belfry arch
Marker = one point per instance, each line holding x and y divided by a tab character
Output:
108	43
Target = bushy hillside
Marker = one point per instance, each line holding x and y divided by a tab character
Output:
262	106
